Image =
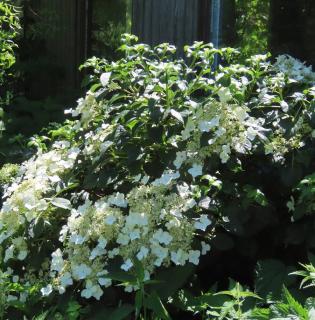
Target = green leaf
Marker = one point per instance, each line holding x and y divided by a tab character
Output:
260	314
122	312
171	279
122	277
271	275
223	242
294	305
154	303
61	203
177	115
42	316
138	303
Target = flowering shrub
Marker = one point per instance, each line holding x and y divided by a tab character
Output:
163	157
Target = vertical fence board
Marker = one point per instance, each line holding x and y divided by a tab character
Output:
173	21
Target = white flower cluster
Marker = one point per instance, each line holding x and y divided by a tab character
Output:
149	224
87	109
228	127
295	69
25	198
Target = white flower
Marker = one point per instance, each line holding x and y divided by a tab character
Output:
166	178
123	239
142	253
179	257
181	157
110	220
183	190
220	132
251	133
113	253
203	223
291	204
57	262
127	265
176	213
195	170
63	233
135	234
9	252
22	255
145	179
225	153
118	200
96	252
102	242
106	282
206	126
190	203
66	279
205	247
137	178
162	237
193	256
77	239
46	291
240	114
135	218
224	95
81	271
92	290
311	313
160	252
105	78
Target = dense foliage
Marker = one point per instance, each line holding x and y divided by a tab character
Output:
9	27
171	178
252	26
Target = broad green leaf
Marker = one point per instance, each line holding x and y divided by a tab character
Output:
122	277
121	312
271	275
177	115
154	303
61	203
171	279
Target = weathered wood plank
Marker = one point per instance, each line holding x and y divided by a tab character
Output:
173	21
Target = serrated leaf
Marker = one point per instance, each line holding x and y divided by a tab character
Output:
294	305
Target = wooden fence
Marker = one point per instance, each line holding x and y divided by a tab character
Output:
173	21
181	22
